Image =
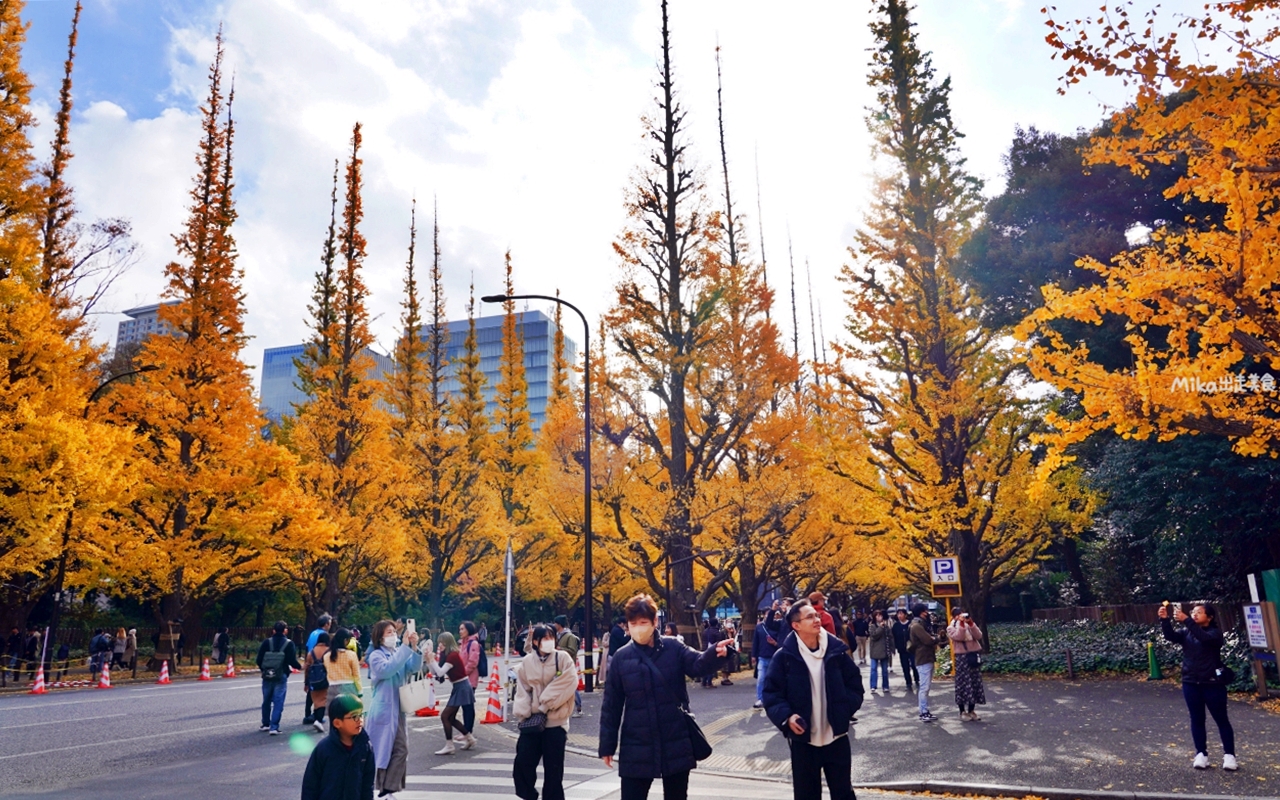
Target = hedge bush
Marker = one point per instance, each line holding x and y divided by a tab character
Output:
1040	648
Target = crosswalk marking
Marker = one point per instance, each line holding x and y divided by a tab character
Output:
507	768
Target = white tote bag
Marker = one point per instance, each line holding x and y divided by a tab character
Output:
416	694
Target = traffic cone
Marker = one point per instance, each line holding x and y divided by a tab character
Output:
204	671
231	668
164	673
39	687
429	710
104	680
494	712
582	684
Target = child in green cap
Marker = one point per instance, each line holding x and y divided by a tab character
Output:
341	766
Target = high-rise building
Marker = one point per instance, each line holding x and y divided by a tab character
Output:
280	375
141	323
280	385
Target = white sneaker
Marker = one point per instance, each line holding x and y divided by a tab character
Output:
1201	762
447	750
1229	763
468	742
318	725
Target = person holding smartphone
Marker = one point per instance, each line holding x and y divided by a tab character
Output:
811	691
966	640
1204	678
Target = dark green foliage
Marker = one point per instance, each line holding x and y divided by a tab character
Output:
1040	648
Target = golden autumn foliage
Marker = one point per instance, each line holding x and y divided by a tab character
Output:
937	443
212	494
341	435
1198	299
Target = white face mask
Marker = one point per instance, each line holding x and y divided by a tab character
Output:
641	632
547	646
390	640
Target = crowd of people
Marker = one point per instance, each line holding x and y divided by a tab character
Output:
809	682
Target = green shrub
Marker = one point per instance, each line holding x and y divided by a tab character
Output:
1040	648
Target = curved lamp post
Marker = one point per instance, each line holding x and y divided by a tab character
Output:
588	630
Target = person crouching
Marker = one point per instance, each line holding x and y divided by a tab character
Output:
341	766
811	690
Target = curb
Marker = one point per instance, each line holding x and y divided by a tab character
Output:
949	787
994	790
139	681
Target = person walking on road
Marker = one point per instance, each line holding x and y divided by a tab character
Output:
922	644
643	714
546	682
323	625
317	678
861	634
901	628
966	643
277	657
879	645
811	691
472	657
342	667
341	765
766	642
1204	679
390	664
449	666
568	642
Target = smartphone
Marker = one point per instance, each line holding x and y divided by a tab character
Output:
803	723
410	626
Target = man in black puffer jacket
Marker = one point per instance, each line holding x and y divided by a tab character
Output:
646	679
810	692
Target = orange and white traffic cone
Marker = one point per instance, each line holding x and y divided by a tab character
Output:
204	671
164	673
231	668
494	712
39	686
104	680
582	664
429	710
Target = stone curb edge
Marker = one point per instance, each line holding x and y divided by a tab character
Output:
980	789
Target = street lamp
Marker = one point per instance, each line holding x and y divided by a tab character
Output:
589	634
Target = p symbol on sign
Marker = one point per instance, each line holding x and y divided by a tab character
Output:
946	566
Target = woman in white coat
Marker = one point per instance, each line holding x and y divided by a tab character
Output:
390	662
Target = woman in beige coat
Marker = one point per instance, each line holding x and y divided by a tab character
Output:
545	684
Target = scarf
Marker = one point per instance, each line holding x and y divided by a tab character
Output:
820	733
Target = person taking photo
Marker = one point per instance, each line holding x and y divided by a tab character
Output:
1204	678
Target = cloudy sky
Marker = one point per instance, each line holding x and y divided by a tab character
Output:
522	119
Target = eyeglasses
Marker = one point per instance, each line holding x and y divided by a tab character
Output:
805	617
355	716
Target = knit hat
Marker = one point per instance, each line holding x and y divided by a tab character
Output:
343	705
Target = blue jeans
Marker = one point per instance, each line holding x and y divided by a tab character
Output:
763	669
926	680
881	666
273	702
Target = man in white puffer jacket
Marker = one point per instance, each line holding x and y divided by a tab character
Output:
546	681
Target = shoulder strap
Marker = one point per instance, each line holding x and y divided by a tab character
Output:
682	698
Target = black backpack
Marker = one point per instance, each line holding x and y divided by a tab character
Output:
273	661
317	675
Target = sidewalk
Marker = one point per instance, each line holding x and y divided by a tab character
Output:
1117	737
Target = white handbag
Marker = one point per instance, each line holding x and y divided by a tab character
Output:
417	693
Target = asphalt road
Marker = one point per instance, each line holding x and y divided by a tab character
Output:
202	740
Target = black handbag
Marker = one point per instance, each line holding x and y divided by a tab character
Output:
536	722
697	739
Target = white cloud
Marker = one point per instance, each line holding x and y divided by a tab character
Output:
524	120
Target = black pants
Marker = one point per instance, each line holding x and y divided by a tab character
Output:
674	787
809	764
908	663
1200	696
546	745
308	713
469	717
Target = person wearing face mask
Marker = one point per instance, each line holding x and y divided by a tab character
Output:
448	666
390	664
472	653
642	716
546	681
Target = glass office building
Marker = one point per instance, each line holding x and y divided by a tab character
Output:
280	376
280	390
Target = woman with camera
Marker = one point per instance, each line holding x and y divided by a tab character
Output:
546	681
1204	678
966	642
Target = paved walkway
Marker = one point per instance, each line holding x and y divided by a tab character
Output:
1111	736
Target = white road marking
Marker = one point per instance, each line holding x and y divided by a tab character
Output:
60	721
169	735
